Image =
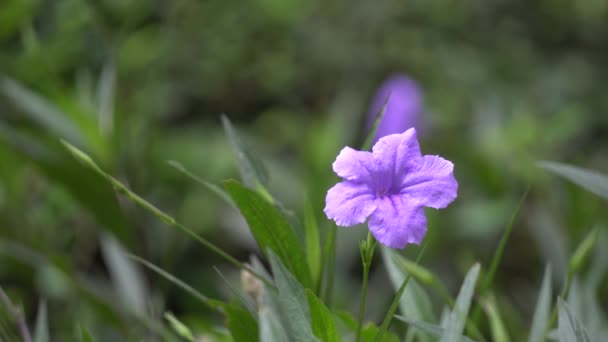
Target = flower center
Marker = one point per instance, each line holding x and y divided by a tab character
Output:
381	192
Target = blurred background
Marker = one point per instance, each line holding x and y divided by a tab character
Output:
136	83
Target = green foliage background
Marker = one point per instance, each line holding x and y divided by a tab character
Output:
136	83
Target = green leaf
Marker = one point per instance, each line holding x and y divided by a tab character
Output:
85	335
105	98
313	244
252	171
242	325
41	111
126	277
271	329
386	322
569	327
593	181
457	318
292	301
238	293
41	333
497	326
323	323
432	329
582	251
370	334
214	188
540	320
271	229
180	328
82	184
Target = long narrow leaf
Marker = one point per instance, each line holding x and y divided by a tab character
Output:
293	301
313	245
41	332
593	181
540	319
569	328
252	171
457	319
126	277
41	111
432	329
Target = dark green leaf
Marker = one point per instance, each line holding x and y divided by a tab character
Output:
241	324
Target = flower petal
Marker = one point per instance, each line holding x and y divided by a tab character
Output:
395	223
397	154
432	184
349	203
354	165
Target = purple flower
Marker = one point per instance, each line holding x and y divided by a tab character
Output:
390	186
402	109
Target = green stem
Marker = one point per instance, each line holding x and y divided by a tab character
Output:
367	254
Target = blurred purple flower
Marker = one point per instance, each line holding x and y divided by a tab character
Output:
402	109
390	185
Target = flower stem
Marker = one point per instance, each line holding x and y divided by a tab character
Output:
367	253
